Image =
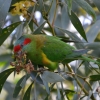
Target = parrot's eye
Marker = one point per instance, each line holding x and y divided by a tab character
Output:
26	41
17	48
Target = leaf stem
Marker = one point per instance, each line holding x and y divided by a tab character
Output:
55	13
73	74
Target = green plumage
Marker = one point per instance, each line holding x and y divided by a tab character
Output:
46	50
55	49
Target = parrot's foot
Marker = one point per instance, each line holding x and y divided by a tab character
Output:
21	63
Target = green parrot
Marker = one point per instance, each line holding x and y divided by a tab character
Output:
46	50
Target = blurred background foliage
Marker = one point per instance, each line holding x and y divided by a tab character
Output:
76	21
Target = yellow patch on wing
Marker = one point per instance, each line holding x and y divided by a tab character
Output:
51	65
45	60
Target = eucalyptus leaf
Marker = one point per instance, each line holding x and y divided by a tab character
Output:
4	75
69	3
77	24
58	93
7	31
65	21
51	77
4	8
86	7
46	86
36	78
94	77
39	29
27	93
24	81
93	32
51	14
5	57
20	85
94	49
58	23
35	91
41	6
46	98
74	37
31	26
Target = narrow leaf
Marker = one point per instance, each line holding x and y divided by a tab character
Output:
36	78
73	36
51	77
86	7
31	25
58	93
39	29
4	75
19	85
35	91
77	24
4	7
7	31
46	86
93	32
46	98
95	77
27	93
69	3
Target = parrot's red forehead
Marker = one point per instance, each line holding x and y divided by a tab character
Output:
26	41
17	48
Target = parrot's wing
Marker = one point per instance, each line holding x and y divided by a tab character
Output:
55	49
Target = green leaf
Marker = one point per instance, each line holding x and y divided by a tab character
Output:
46	98
41	6
93	32
31	26
46	86
7	31
97	3
86	7
58	93
35	96
5	57
39	29
90	60
20	85
4	75
4	7
69	3
77	24
65	21
95	47
51	77
36	78
95	77
27	93
73	36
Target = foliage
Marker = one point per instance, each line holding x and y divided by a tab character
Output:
78	80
